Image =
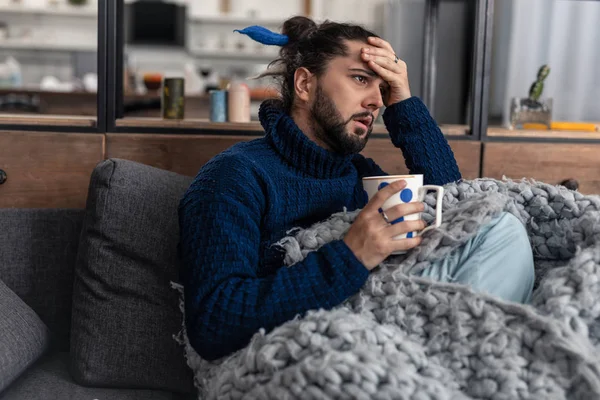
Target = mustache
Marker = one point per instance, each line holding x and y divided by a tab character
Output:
362	115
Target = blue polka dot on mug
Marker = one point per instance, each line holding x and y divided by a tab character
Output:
406	195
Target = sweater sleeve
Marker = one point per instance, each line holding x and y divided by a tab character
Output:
226	299
425	149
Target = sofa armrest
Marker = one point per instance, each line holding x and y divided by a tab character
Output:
23	336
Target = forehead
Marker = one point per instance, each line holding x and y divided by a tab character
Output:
352	59
354	47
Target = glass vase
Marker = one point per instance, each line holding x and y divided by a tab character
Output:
524	111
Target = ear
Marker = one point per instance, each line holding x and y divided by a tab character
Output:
303	84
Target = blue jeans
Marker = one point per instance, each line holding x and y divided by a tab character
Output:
498	261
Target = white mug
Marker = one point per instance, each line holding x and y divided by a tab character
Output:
414	191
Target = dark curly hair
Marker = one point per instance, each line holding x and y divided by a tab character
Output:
311	46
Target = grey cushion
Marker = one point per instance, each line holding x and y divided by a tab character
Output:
124	311
49	379
23	336
38	248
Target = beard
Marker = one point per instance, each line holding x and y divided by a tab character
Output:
330	127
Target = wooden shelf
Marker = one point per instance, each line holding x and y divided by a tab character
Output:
455	130
237	55
53	46
203	124
59	10
53	120
526	133
235	20
254	126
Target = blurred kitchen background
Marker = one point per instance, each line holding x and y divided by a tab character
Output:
48	51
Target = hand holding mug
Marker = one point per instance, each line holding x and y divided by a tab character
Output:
372	239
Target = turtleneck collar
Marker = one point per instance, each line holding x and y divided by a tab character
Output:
293	145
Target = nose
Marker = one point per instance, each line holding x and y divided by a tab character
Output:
374	100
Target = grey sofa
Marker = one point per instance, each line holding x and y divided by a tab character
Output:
86	305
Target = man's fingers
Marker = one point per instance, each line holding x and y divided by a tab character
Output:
401	210
383	194
386	63
405	227
378	52
379	42
405	244
385	73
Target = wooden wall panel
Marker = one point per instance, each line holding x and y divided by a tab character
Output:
390	159
52	170
48	170
184	154
468	157
547	162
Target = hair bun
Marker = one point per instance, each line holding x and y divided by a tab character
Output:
298	28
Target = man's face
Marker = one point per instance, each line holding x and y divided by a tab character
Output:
346	102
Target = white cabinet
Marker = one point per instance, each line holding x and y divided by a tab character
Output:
39	25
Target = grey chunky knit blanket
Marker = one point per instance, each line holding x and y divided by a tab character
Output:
407	337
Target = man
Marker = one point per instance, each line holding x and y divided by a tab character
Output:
334	80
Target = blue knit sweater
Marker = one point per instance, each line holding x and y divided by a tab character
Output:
248	197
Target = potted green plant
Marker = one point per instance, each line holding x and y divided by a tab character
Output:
532	110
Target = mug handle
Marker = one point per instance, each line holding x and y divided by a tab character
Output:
438	205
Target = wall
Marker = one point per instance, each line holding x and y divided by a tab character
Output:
564	35
403	25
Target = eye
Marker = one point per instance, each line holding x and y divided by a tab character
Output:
360	79
383	90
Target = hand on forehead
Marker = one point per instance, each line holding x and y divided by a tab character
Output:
356	61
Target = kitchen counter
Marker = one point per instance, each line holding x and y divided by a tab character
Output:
206	125
80	103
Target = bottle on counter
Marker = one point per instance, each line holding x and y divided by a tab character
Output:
238	102
10	73
173	98
218	105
